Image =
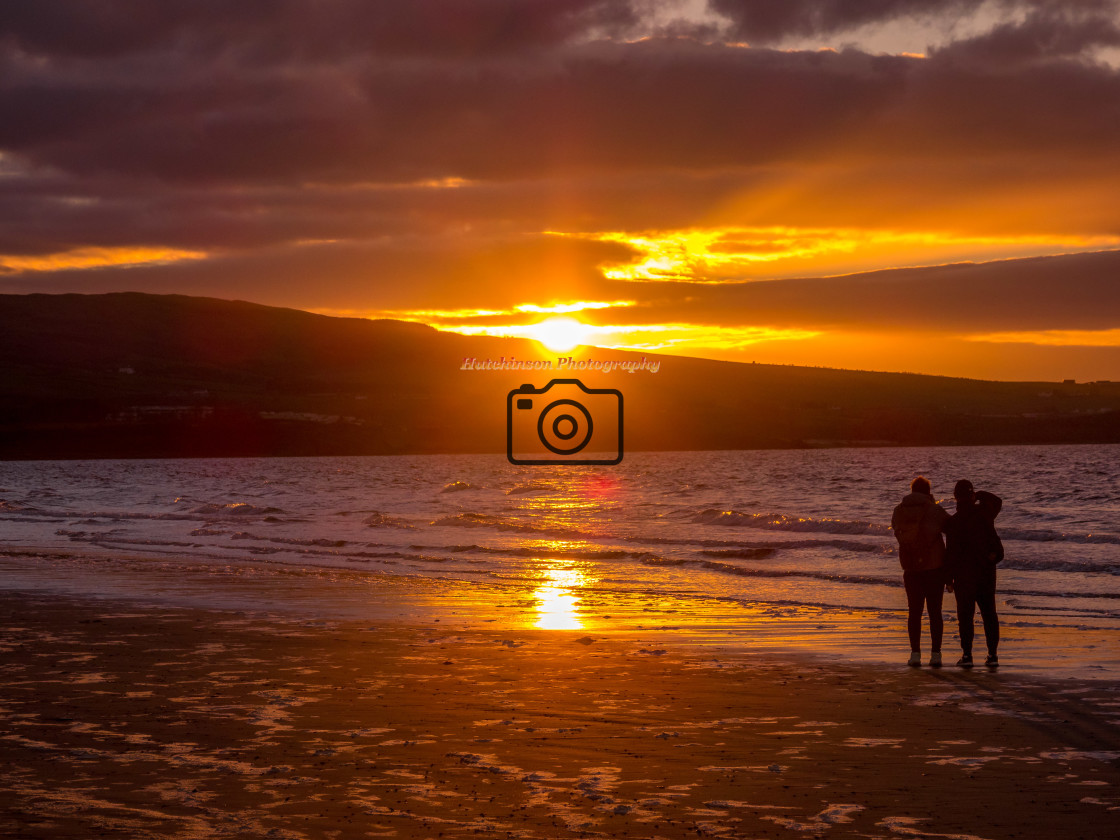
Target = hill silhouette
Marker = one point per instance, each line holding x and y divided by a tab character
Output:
139	375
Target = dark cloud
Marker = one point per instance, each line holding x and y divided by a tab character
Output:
1047	34
265	31
604	106
578	109
44	214
760	21
765	22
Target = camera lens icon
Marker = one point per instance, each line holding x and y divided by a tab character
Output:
556	423
565	422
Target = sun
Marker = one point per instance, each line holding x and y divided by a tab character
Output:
560	334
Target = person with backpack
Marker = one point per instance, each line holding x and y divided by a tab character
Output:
973	549
917	523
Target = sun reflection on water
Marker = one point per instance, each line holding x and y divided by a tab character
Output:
556	602
576	507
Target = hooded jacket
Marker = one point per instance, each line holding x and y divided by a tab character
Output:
973	546
917	523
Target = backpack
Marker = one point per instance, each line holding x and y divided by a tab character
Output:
914	541
908	529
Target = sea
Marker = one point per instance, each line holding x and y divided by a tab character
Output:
755	548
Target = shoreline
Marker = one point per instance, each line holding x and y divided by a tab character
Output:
808	444
163	721
830	635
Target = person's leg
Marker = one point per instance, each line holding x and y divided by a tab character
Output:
966	607
986	600
915	598
934	593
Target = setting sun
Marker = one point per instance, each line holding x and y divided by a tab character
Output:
560	334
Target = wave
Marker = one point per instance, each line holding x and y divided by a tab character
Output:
382	520
740	553
743	571
212	509
457	486
1039	535
237	511
892	580
21	512
487	520
303	548
530	487
319	543
576	553
497	523
665	561
781	522
102	537
1039	564
36	517
846	545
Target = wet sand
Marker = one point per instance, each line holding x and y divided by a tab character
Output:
127	721
1028	648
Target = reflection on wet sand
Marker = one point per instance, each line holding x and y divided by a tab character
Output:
556	603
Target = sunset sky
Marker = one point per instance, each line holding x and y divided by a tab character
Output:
918	185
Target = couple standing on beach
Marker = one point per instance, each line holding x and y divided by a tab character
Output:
963	562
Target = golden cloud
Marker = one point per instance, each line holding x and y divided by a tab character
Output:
91	258
1054	338
739	254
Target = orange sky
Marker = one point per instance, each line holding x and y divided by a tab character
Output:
916	185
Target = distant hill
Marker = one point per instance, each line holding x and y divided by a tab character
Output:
138	375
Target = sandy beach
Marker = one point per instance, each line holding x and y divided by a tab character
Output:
138	721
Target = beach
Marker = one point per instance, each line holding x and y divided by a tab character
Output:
130	720
765	549
426	647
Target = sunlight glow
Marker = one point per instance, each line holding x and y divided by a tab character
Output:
421	316
743	254
560	334
443	183
684	337
439	318
87	258
694	337
1054	338
575	306
556	603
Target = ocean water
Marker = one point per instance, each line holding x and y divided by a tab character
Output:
663	539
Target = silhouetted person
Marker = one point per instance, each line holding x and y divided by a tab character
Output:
918	522
973	549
